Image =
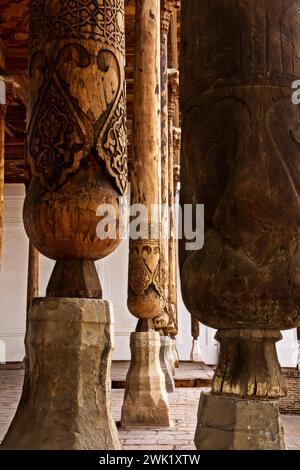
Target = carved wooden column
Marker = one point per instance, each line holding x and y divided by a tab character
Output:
240	157
2	156
166	342
146	401
77	154
195	330
172	327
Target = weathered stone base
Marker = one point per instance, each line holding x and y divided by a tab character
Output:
195	352
226	423
146	399
167	363
66	395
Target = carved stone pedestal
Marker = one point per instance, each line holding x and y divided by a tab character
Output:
226	423
66	396
167	362
146	400
195	352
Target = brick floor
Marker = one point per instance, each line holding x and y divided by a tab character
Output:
183	405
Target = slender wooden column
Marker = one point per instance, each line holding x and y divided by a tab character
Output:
145	289
146	401
173	95
166	10
2	156
78	161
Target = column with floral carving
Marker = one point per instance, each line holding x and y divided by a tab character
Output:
77	155
146	401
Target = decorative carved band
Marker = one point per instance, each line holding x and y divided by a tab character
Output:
144	269
99	20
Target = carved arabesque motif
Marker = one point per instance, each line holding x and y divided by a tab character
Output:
144	270
101	20
72	114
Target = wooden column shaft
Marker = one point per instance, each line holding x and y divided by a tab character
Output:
145	287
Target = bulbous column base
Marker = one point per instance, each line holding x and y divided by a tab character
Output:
146	399
66	401
227	423
167	362
195	352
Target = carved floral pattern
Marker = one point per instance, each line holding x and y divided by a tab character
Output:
85	110
100	20
144	270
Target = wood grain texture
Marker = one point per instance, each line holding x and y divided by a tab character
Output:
145	286
240	157
195	328
76	127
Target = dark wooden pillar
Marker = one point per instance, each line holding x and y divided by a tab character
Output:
240	157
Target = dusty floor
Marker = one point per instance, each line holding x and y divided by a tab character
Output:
183	404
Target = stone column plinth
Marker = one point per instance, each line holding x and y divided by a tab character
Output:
66	402
195	352
167	362
146	400
227	423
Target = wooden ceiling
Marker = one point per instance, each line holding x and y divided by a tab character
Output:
13	46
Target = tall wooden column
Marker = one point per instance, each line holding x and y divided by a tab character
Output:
240	158
146	401
166	317
2	156
77	155
172	328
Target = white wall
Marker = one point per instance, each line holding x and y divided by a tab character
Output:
113	275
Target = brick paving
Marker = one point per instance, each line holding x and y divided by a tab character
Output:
183	405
